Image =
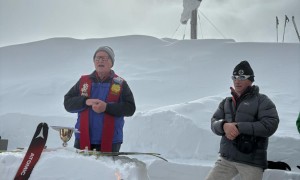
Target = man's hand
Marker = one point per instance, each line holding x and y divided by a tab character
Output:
97	105
231	131
91	102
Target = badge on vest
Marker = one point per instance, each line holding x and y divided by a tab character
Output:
118	80
84	90
115	89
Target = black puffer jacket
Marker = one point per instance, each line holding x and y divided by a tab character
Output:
255	115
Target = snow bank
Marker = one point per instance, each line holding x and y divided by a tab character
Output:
64	164
177	87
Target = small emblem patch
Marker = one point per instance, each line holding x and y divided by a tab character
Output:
241	72
84	90
115	88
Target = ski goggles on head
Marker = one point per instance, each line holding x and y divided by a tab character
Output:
240	77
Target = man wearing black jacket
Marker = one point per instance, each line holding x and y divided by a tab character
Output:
245	122
101	99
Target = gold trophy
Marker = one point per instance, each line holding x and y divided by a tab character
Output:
65	133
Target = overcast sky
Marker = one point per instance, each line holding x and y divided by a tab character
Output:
242	20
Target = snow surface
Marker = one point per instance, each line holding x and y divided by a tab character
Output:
177	85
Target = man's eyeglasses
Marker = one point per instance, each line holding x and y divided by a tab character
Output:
101	58
240	77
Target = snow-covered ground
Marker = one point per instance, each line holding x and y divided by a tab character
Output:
177	85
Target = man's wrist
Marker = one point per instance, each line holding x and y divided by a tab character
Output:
223	123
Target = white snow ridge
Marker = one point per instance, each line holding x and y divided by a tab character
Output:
177	85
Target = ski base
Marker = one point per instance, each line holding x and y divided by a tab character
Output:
98	154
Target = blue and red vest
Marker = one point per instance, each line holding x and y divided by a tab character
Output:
100	128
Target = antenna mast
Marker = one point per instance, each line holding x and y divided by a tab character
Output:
194	24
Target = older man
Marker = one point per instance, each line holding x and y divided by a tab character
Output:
245	121
101	99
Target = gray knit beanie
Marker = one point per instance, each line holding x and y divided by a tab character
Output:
109	51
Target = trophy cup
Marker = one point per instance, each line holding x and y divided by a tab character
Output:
65	133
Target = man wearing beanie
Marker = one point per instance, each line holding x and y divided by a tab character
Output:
102	100
244	121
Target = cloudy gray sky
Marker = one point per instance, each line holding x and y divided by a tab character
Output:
242	20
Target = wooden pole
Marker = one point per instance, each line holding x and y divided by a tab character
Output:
194	24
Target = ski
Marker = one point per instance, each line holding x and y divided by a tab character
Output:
97	154
33	153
